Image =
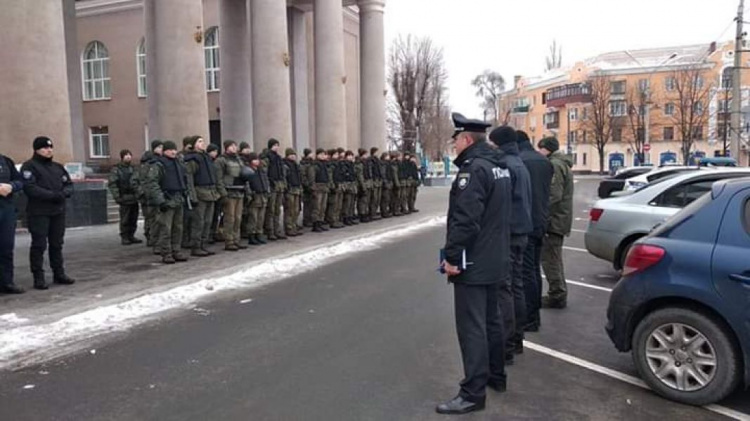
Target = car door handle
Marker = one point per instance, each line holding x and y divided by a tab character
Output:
740	278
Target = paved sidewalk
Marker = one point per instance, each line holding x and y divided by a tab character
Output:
109	273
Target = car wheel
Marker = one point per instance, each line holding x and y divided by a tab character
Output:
624	249
686	356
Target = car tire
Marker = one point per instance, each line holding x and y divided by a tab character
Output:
653	354
624	249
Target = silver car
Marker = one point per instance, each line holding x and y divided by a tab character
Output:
616	223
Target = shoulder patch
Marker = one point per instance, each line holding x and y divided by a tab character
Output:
27	174
463	180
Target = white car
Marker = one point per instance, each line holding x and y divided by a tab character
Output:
635	183
616	223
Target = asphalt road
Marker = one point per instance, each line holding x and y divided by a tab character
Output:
370	337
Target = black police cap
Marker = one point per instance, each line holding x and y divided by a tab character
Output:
463	124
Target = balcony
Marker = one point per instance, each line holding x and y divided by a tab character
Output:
552	120
520	109
559	96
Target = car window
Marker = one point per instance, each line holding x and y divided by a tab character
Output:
683	215
658	176
684	194
746	215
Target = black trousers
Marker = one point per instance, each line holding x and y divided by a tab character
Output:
532	279
481	337
46	230
7	242
517	285
128	220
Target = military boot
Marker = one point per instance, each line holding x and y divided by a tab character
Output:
209	252
241	246
126	241
317	227
168	259
134	240
261	239
198	252
231	247
39	282
179	257
253	240
63	279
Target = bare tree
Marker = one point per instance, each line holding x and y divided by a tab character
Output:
554	60
489	85
416	74
600	121
637	100
692	92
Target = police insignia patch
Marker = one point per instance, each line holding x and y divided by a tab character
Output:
27	175
65	178
463	180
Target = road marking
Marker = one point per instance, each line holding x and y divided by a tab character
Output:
575	249
622	376
575	230
585	285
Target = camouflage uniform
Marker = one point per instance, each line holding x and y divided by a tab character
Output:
261	191
364	187
318	177
232	189
277	178
350	192
293	194
202	181
377	187
385	198
150	229
307	194
396	193
123	184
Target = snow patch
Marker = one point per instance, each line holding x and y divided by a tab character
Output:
10	319
23	345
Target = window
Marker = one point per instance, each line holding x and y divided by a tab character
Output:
584	157
726	78
698	82
96	72
618	88
211	50
643	85
573	137
683	195
99	141
141	68
583	136
670	83
669	108
585	114
698	133
617	134
617	108
669	133
724	105
698	108
641	109
573	114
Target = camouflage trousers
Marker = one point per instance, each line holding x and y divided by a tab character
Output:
200	223
307	207
273	213
257	215
385	202
335	203
375	200
128	220
396	200
233	207
552	263
363	201
170	222
291	211
350	199
150	227
319	205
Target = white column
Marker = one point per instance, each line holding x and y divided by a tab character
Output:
236	99
372	73
300	98
272	111
330	105
34	79
78	133
175	69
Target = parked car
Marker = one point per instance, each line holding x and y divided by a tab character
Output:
634	183
681	305
717	162
617	182
616	223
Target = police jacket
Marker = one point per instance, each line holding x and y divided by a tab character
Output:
275	168
47	184
293	174
259	182
540	175
479	213
9	175
123	183
520	220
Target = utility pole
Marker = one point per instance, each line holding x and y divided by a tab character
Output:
737	85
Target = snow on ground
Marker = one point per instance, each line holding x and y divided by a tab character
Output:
22	343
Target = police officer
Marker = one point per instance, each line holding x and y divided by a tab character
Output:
512	291
395	176
363	167
47	185
377	185
385	198
350	189
10	182
477	255
123	184
307	196
293	194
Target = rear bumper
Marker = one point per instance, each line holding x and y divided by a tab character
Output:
600	243
626	299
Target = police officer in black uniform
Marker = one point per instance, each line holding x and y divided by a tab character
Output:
47	185
476	259
10	182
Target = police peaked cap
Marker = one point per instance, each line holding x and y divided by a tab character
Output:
463	124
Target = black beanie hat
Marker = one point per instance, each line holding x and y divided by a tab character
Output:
212	148
228	143
522	137
125	152
373	150
332	151
320	151
42	142
188	141
550	143
349	153
384	155
170	146
252	156
290	152
361	151
503	135
272	142
155	144
340	150
244	145
306	152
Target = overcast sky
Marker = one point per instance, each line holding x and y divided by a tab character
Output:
513	37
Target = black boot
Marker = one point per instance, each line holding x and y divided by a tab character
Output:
40	282
261	239
317	227
253	240
126	241
63	279
11	289
136	240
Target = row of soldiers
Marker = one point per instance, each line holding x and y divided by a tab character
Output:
193	198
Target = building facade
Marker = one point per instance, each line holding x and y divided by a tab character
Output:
653	99
123	72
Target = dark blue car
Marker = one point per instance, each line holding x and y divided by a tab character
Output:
683	303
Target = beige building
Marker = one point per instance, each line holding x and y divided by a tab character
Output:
103	75
644	100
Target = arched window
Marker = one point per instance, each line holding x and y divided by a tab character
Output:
726	77
140	59
211	49
96	72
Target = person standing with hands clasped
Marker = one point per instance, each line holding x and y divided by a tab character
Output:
477	260
10	182
47	185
